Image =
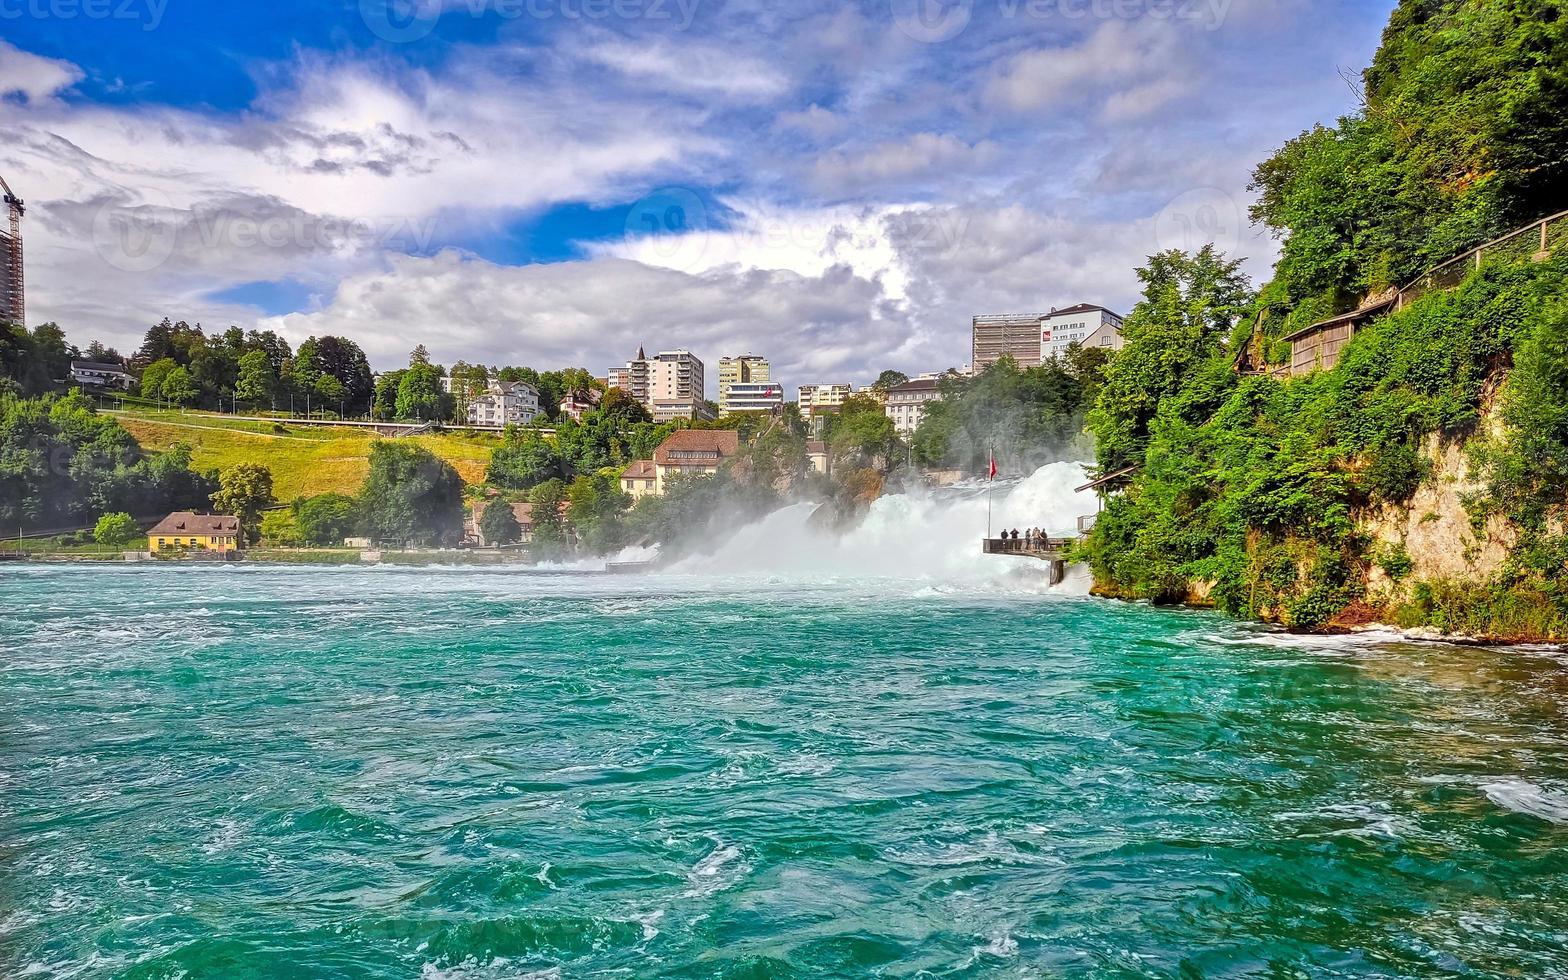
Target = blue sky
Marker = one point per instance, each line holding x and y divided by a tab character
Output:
839	186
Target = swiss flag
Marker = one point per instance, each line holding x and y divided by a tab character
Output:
993	467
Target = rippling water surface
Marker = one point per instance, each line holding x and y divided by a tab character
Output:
272	772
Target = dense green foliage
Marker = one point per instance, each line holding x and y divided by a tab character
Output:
244	491
1252	490
411	497
116	530
498	525
61	463
1463	136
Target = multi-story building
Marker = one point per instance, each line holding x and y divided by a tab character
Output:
665	383
639	480
505	403
1015	334
753	396
906	403
1086	325
693	452
675	409
743	369
822	396
13	288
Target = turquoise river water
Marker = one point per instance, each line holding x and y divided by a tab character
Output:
384	773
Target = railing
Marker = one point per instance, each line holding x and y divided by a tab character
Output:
1533	241
1086	523
1036	547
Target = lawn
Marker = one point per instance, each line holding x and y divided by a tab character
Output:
304	460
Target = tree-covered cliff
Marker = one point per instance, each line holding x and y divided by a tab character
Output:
1423	479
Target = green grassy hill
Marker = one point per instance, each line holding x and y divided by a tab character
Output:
304	460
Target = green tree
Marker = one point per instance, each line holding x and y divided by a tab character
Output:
596	507
524	460
244	491
179	387
385	406
326	519
331	391
411	496
154	375
419	395
498	524
1190	304
889	379
258	379
550	529
280	528
116	530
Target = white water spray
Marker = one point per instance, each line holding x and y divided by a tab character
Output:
928	536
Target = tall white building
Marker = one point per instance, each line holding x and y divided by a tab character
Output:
1085	325
671	383
505	403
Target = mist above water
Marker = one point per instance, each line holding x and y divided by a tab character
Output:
919	534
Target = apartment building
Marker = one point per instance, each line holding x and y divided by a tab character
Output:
752	396
505	403
742	369
1086	325
906	403
671	383
822	396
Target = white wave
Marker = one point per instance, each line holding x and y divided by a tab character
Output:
922	535
1522	796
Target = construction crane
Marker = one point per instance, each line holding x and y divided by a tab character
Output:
13	290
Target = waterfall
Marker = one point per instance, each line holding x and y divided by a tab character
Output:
929	536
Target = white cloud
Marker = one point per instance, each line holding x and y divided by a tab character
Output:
691	67
33	77
890	164
1127	68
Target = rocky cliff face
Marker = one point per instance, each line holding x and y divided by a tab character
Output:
1435	530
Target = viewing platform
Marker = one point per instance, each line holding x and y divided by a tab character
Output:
1053	550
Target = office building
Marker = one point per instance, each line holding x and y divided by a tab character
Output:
822	396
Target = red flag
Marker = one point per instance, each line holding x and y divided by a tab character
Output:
993	467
